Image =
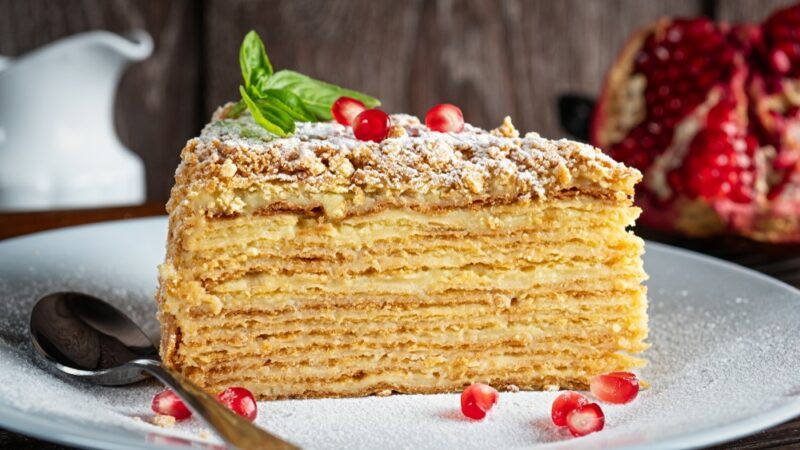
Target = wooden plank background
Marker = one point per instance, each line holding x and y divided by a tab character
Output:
491	57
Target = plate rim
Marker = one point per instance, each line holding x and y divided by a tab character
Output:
15	420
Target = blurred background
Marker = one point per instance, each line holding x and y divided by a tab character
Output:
492	58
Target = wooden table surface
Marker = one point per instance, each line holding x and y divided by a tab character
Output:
780	261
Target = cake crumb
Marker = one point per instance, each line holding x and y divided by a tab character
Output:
506	129
228	168
164	421
552	387
473	181
512	388
384	393
204	434
396	131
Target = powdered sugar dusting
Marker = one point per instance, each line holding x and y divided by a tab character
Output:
326	157
722	352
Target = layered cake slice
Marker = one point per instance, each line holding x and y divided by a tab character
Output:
318	264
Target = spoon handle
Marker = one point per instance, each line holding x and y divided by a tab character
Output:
235	430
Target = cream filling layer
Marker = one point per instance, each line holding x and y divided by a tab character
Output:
393	224
430	281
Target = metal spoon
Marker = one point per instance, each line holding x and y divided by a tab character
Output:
89	339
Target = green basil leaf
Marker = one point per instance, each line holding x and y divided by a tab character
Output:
253	56
236	110
291	102
272	118
318	96
276	115
284	100
258	81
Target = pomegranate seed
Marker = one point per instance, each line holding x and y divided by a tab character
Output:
167	403
240	401
345	109
445	117
675	180
615	387
721	114
477	400
564	404
586	419
700	26
371	125
780	61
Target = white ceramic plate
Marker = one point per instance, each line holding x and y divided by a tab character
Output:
724	362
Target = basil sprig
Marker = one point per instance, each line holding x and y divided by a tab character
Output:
253	59
277	99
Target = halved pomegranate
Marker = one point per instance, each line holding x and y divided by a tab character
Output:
709	113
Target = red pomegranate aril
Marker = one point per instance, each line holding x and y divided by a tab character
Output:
345	109
779	61
786	160
477	400
675	181
586	419
167	403
640	160
445	117
697	27
674	34
722	113
565	404
240	401
717	162
615	387
371	125
791	49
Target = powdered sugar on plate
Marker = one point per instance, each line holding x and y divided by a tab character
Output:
724	361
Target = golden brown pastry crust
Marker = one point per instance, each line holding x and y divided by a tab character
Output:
234	167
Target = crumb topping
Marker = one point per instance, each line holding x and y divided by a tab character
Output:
235	156
164	421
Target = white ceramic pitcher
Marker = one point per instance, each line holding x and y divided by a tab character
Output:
58	145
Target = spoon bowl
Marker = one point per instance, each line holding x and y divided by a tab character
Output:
86	337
